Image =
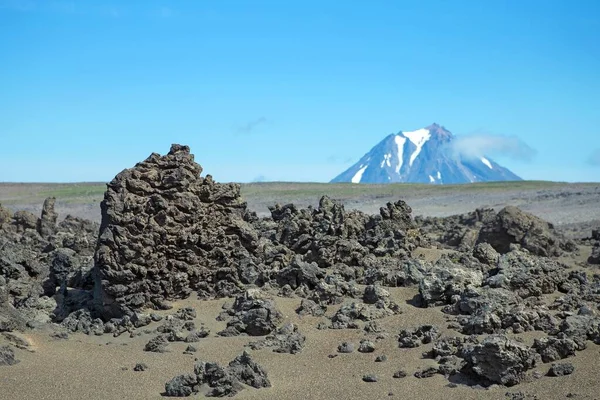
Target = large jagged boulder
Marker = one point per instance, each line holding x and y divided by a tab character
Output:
445	280
218	381
514	226
252	313
165	232
499	359
527	275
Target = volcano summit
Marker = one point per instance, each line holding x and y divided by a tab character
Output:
423	156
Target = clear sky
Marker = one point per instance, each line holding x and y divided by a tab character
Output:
292	90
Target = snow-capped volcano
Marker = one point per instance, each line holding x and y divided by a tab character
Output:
422	156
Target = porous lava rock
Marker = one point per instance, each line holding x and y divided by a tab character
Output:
37	256
166	232
252	313
219	381
499	359
414	337
514	226
287	339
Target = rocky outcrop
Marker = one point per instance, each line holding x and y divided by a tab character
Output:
166	232
445	280
37	257
415	337
286	339
7	356
514	226
527	275
219	381
500	360
252	313
46	225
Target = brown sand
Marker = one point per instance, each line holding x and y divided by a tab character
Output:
89	367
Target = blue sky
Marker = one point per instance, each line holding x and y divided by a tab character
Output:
292	90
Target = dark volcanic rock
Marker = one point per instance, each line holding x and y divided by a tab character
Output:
157	344
426	373
181	386
366	346
140	367
496	310
254	314
594	258
513	226
528	275
7	356
309	307
248	371
345	347
348	314
47	223
166	232
286	339
446	279
400	374
417	336
220	381
554	349
500	360
561	369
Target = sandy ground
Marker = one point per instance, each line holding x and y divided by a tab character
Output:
102	367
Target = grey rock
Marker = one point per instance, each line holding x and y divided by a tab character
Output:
415	337
370	378
514	226
181	386
140	367
561	369
500	360
253	314
286	339
7	356
554	349
426	373
400	374
167	232
157	344
345	347
366	346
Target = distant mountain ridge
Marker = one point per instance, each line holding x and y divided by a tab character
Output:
422	156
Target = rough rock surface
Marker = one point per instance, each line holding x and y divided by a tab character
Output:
165	232
221	381
445	280
254	314
39	259
514	226
500	360
561	369
7	356
286	339
415	337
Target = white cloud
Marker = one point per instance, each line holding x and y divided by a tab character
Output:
477	146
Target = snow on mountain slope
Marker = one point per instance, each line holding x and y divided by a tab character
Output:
425	156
